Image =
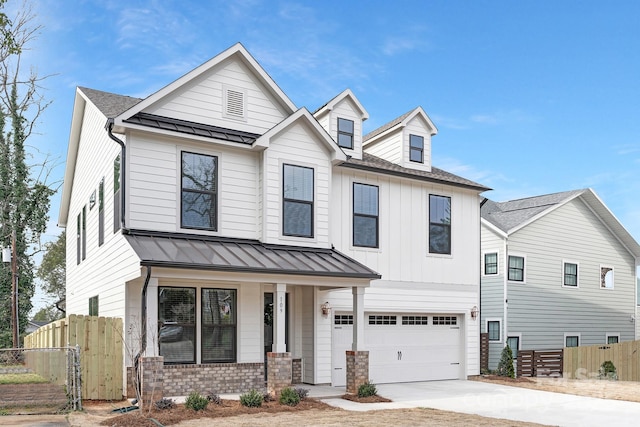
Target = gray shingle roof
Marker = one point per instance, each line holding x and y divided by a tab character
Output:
387	126
110	104
510	214
241	255
373	163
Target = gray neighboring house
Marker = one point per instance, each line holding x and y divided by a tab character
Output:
557	270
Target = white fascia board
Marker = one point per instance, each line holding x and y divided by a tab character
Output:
423	114
493	228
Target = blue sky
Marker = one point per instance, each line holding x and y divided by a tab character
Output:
529	97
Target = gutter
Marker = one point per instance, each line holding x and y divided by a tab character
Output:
143	334
123	170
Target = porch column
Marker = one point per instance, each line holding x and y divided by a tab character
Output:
279	363
279	316
357	358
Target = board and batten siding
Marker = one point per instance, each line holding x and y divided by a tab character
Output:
202	100
106	268
296	145
154	196
542	309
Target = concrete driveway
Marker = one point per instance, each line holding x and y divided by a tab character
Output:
498	401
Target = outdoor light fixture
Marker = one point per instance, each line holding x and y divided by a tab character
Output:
474	312
326	309
6	254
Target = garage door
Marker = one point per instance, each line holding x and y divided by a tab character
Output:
402	347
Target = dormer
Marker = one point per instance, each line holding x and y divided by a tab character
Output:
405	141
342	118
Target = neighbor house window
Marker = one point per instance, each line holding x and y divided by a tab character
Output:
416	148
93	306
84	232
345	133
570	274
297	192
571	340
219	323
439	224
514	345
493	328
101	212
199	191
516	268
491	263
365	215
613	338
606	277
79	239
116	194
177	324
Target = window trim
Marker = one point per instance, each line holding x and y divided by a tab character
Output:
450	243
564	264
484	263
213	193
499	322
419	150
611	334
202	326
354	215
613	279
570	335
351	135
524	268
311	203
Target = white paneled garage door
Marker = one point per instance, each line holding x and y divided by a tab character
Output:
402	347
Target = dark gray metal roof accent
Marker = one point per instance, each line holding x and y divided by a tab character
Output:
510	214
110	104
386	126
158	249
192	128
373	163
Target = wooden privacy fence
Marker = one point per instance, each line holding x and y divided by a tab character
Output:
101	351
540	363
584	362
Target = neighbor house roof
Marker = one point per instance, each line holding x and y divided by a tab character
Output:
512	215
109	104
176	250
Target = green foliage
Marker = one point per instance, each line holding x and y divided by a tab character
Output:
367	389
196	401
252	399
289	397
608	371
52	269
505	366
165	403
21	379
47	314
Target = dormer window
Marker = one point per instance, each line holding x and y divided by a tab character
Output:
345	133
416	148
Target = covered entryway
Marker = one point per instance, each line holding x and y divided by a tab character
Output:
402	347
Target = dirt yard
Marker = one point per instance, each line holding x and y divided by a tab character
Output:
313	413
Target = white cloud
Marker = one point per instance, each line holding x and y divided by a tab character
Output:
412	39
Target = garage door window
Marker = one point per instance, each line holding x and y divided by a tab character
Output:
445	320
415	320
382	320
343	319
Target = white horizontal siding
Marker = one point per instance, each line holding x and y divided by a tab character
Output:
389	148
346	109
417	126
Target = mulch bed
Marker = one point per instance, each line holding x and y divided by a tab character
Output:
368	399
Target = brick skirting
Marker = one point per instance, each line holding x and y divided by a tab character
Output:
279	372
357	370
220	378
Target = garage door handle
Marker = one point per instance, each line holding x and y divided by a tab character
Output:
337	369
399	355
455	363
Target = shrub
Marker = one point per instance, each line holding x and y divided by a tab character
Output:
367	389
267	397
289	397
252	399
196	401
165	403
214	398
302	392
608	371
505	366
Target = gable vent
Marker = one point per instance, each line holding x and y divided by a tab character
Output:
235	103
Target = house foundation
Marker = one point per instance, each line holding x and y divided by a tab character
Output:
357	370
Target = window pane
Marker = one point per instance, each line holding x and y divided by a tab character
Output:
365	231
345	141
365	199
571	341
516	268
198	210
218	325
439	210
345	126
297	218
198	172
513	343
415	155
439	239
298	183
491	263
570	274
606	277
612	340
416	141
176	321
493	330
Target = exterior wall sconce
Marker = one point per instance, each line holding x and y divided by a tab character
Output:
474	312
326	309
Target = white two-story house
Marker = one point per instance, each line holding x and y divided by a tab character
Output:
234	231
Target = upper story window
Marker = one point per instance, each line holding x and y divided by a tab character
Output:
79	239
606	277
365	215
516	268
345	133
570	274
84	232
116	194
199	191
493	329
439	224
491	263
101	212
297	191
416	148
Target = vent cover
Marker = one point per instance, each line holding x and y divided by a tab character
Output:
235	103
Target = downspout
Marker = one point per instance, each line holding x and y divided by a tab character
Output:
505	276
143	332
123	169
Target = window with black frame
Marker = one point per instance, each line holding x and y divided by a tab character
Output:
345	133
365	215
297	201
439	224
199	191
219	322
177	324
416	148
